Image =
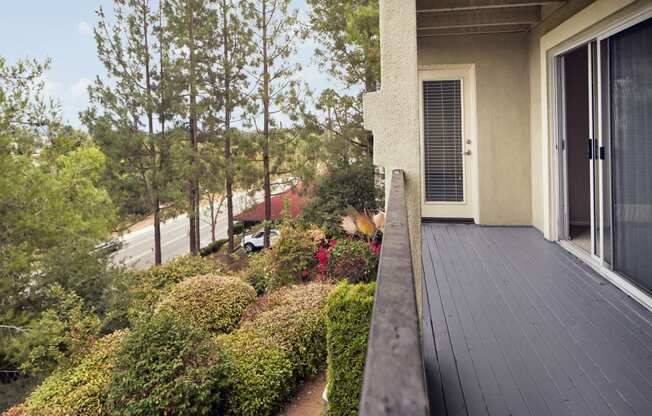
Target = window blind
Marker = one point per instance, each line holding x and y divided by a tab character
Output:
443	159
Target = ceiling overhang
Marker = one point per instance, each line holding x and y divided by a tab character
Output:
467	17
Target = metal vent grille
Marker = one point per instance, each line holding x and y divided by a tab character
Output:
444	166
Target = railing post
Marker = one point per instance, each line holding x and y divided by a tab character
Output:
394	378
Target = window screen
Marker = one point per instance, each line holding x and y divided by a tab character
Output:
630	58
444	167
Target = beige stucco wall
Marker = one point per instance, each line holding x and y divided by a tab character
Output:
391	113
503	127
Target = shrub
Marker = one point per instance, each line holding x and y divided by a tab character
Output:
80	390
213	247
168	367
280	342
146	288
259	271
212	303
295	319
292	255
353	260
261	376
238	227
346	184
349	319
59	337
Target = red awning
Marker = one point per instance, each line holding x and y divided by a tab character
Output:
295	203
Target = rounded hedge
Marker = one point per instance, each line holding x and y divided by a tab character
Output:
212	303
281	341
79	390
261	375
168	367
149	286
294	318
352	260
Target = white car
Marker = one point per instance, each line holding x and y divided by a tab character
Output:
254	241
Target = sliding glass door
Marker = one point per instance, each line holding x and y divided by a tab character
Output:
627	152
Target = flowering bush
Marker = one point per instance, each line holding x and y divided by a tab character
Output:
353	260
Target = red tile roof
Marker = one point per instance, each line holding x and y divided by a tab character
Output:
296	203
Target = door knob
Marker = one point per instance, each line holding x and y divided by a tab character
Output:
468	153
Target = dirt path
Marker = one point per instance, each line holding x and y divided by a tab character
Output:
308	401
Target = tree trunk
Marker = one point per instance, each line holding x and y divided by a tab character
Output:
227	127
156	206
157	233
193	214
266	173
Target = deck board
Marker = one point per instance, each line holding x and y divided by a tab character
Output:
515	325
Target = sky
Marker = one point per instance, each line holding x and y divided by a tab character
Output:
62	30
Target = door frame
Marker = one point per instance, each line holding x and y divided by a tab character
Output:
595	261
468	209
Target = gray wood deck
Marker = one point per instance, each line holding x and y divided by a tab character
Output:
514	325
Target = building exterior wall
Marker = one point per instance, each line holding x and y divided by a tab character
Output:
503	126
391	113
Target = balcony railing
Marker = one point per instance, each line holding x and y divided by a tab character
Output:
394	379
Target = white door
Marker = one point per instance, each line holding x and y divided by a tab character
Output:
448	143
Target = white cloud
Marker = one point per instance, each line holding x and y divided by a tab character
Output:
79	89
85	29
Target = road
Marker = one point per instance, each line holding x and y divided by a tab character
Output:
138	246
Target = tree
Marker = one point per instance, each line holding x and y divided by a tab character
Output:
276	30
348	32
190	27
138	93
227	95
52	209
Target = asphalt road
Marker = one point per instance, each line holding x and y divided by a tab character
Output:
138	247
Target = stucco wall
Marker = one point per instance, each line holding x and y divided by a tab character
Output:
503	126
391	113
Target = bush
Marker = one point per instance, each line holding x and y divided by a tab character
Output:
261	377
168	367
146	288
59	337
80	390
349	319
259	271
346	184
212	303
238	227
213	247
292	255
295	319
281	341
352	260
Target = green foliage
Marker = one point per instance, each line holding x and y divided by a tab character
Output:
349	319
261	379
238	227
80	390
292	255
213	247
168	367
346	184
352	260
145	289
294	318
59	336
210	302
281	341
259	271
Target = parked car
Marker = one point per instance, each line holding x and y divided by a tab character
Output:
254	241
110	246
